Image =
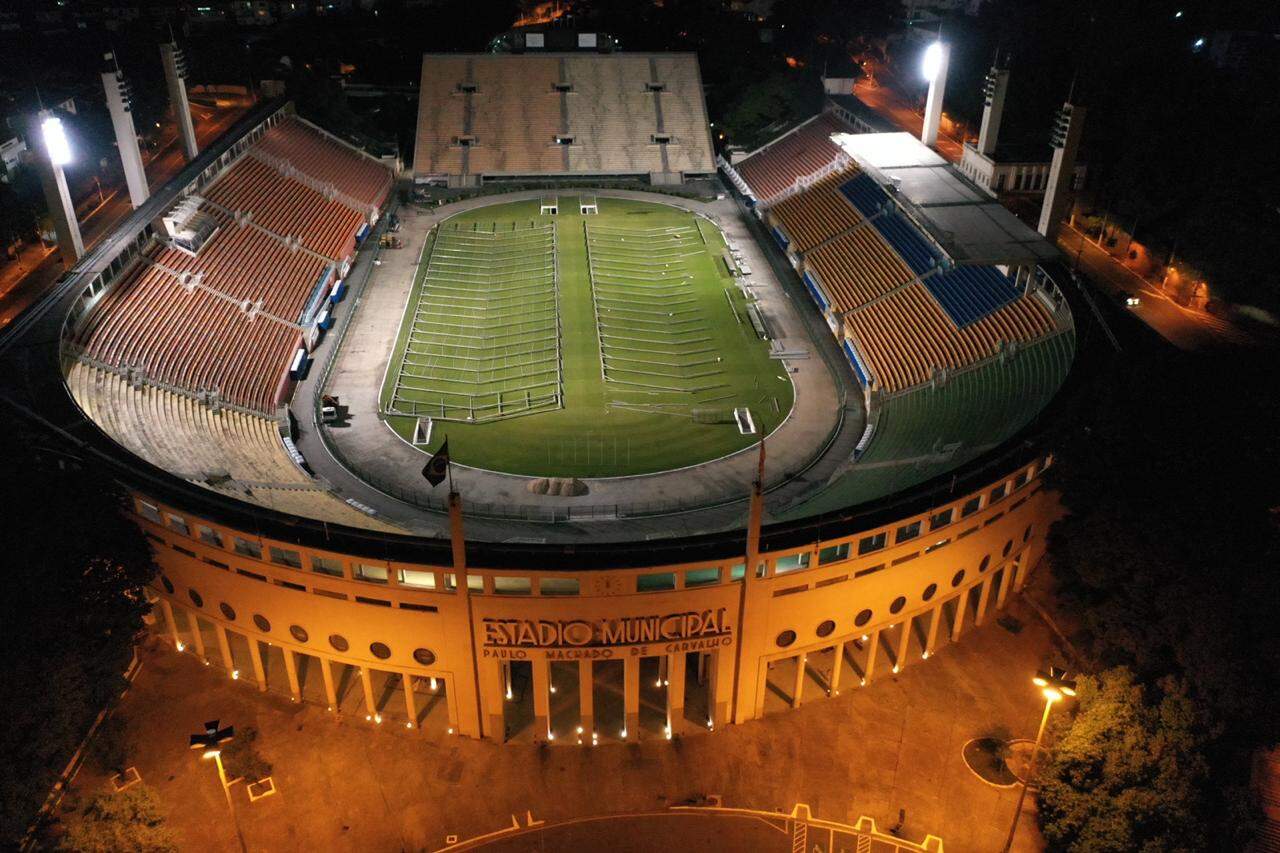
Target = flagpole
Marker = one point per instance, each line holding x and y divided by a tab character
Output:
448	466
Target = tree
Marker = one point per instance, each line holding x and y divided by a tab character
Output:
129	820
1128	773
74	570
763	111
1168	552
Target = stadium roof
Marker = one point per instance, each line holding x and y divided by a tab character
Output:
969	225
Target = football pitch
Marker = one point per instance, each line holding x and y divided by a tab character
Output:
573	345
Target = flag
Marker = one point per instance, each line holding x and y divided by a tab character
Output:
438	468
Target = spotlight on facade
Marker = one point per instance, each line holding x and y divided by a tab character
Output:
55	141
932	62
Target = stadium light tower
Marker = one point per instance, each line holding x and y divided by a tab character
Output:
175	74
1062	169
120	105
937	58
57	152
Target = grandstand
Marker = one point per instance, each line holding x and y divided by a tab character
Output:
497	116
772	170
875	226
224	321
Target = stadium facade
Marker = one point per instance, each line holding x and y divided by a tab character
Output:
175	351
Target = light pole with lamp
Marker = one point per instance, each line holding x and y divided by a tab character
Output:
210	741
1054	684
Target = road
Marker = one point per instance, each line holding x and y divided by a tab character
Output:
23	282
888	102
1185	328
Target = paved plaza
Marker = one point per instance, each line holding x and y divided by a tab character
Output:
348	784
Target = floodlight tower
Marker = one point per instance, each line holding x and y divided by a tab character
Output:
993	92
1065	139
937	57
120	104
57	153
175	73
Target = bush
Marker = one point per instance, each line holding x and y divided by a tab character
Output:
241	759
109	749
130	820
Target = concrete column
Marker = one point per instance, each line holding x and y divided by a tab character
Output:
113	83
172	622
983	597
932	639
541	698
997	86
631	696
175	72
58	197
197	639
1062	168
493	695
586	699
900	653
410	705
675	693
1003	592
720	691
797	687
255	657
937	88
962	608
873	648
330	694
223	646
1023	569
837	664
366	682
291	671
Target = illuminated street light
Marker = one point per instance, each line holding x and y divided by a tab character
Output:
932	62
55	141
1054	685
210	742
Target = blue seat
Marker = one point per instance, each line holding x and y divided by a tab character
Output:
864	194
907	242
967	294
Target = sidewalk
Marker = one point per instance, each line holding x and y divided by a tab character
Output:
346	784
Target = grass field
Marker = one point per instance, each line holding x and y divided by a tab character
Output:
580	346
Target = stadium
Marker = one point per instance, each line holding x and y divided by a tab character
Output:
723	438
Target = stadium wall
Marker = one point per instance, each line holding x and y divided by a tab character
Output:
812	620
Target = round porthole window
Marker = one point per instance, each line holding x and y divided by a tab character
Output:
862	618
929	591
261	621
426	657
986	561
898	603
299	633
826	628
380	650
167	584
339	642
786	638
957	578
227	611
195	598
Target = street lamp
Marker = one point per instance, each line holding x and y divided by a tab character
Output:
1054	685
210	742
